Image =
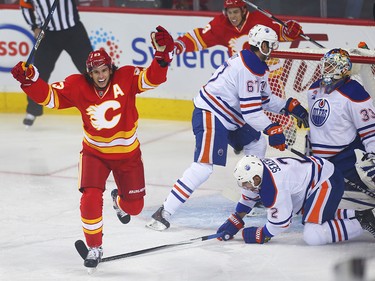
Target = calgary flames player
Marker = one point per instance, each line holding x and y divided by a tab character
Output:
105	96
231	30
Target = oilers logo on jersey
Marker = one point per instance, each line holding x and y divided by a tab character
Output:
320	112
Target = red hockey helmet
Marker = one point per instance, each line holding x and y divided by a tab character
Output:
98	58
234	4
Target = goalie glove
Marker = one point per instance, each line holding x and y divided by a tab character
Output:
25	75
253	235
230	227
294	107
365	166
291	31
163	44
276	137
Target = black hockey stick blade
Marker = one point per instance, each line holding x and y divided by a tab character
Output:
358	201
41	33
267	14
82	248
359	188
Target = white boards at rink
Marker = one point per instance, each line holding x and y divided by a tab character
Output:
126	35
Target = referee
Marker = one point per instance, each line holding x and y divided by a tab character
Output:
65	32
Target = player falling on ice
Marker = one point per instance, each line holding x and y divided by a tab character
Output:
287	186
106	98
229	110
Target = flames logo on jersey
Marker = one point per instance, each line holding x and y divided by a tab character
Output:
98	114
237	44
320	112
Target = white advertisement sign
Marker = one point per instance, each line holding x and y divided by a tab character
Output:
127	38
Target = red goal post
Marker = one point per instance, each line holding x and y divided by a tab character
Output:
293	71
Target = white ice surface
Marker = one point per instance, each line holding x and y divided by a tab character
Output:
40	219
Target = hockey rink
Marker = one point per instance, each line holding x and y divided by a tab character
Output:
40	219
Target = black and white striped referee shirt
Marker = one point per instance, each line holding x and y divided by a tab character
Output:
36	11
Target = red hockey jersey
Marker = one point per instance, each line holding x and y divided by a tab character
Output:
219	31
109	120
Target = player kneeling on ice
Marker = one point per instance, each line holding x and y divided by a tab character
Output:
287	186
342	121
106	98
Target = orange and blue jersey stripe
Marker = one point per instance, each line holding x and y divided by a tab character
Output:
338	230
366	132
223	109
181	191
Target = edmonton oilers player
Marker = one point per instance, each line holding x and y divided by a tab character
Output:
342	120
229	110
312	187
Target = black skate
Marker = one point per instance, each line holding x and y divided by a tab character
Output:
159	220
367	219
29	120
122	216
94	257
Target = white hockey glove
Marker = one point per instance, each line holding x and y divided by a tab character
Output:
365	166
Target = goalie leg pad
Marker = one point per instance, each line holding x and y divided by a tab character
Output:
365	166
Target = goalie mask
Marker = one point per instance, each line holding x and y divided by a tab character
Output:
97	59
246	169
336	64
259	34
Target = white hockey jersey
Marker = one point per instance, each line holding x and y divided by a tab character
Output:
286	183
336	118
238	92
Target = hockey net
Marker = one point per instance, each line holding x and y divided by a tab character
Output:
293	71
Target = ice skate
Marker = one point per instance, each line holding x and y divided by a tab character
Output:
93	258
367	219
29	120
159	220
122	216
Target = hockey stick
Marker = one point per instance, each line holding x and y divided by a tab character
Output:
304	36
83	251
41	34
352	184
358	201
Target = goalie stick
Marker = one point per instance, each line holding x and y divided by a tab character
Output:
41	34
304	36
352	184
83	250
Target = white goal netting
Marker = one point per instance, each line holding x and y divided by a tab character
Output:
293	71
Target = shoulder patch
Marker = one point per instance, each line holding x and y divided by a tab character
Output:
316	84
354	91
268	192
253	63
